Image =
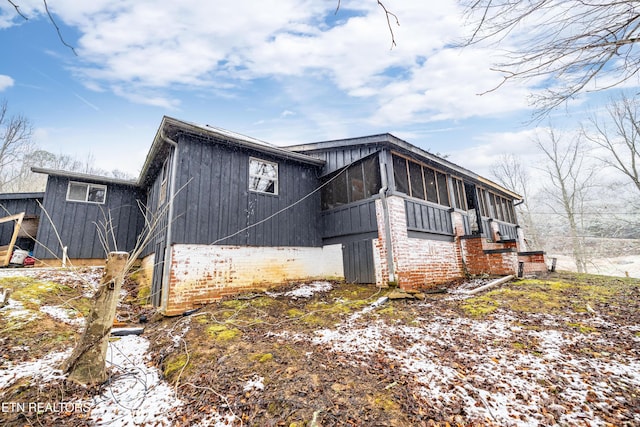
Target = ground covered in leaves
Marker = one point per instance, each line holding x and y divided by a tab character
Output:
558	350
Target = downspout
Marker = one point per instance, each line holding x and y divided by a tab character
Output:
387	221
166	270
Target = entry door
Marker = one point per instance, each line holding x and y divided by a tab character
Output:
357	258
475	220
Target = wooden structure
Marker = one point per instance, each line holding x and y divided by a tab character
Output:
7	250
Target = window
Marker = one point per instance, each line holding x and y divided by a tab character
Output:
84	192
459	194
400	175
443	192
263	176
420	181
359	181
164	175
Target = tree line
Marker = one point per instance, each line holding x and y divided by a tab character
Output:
19	153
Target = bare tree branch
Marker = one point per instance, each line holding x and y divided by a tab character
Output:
17	8
53	22
51	19
570	45
388	15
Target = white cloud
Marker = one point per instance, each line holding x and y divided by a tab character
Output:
153	47
5	82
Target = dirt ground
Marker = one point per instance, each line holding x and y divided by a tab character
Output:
558	350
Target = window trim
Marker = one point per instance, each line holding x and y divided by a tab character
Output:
275	180
86	195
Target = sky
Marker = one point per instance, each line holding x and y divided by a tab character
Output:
283	71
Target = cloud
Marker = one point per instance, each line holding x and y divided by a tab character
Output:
152	46
5	82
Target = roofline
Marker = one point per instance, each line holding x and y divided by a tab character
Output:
391	141
15	196
84	176
171	127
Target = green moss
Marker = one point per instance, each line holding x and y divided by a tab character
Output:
583	329
261	357
294	312
480	306
233	304
263	302
518	345
175	364
144	295
29	290
222	333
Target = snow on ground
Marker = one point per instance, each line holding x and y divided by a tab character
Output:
136	394
42	370
15	310
490	383
306	290
63	314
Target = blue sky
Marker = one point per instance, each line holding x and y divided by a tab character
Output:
284	71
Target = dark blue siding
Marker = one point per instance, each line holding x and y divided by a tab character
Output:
76	222
428	218
354	218
339	157
214	204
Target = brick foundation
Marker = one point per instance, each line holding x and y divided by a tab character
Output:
201	274
418	263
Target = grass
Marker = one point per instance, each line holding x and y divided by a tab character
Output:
560	294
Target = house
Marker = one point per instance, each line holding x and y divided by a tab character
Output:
232	213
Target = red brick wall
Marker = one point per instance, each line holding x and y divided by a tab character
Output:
418	263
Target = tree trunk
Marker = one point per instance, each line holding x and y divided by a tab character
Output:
86	365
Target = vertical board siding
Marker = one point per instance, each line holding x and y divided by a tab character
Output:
358	262
355	218
507	231
339	157
214	201
76	222
428	218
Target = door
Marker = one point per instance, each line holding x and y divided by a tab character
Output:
357	259
473	209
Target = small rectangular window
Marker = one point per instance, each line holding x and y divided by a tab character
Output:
85	192
263	176
164	176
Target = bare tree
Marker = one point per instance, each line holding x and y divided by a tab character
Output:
510	172
569	43
619	136
570	181
15	142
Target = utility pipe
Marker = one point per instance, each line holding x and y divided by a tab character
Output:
166	270
385	215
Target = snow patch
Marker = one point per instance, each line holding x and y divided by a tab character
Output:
255	383
42	370
136	395
66	315
306	290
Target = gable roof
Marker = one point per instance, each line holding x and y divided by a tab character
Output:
170	129
390	141
97	179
